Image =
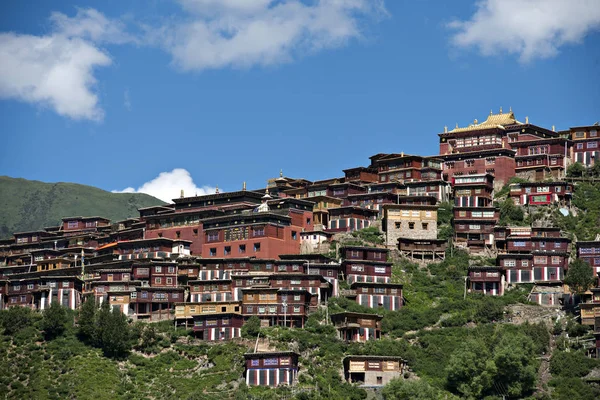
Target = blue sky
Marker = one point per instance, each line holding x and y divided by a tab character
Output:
217	92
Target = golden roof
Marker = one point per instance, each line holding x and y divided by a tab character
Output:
499	120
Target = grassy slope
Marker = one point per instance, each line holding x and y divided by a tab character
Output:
28	205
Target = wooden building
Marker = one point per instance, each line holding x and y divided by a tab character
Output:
585	143
357	327
374	295
488	280
589	251
541	193
271	368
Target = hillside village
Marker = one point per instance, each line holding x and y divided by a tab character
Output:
277	255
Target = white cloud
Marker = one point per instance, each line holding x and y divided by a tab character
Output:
168	185
56	70
127	100
240	33
529	28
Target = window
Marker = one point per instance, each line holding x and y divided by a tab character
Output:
242	248
175	295
30	286
227	250
519	244
258	232
398	224
144	295
256	247
294	235
592	145
510	263
72	224
524	263
212	236
296	309
593	133
411	225
415	213
157	269
555	260
424	225
195	232
171	270
157	280
579	134
65	284
213	251
475	227
579	146
169	281
295	282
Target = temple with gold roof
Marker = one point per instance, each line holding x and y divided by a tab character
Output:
504	147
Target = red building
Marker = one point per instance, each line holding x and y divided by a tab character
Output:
404	167
585	143
366	264
590	253
271	369
271	229
541	193
495	146
488	280
373	295
357	327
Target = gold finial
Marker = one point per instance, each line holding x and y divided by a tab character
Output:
402	154
526	120
457	125
181	194
553	128
267	190
217	189
281	173
244	186
509	108
491	112
445	128
500	109
475	121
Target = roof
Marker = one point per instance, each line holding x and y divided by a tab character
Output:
356	314
270	354
372	357
493	121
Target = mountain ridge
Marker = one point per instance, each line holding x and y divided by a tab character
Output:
27	205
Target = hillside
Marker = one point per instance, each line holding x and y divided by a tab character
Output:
28	205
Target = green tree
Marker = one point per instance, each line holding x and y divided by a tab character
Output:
580	276
116	335
87	319
571	364
489	309
576	170
510	214
15	319
55	320
400	389
470	370
251	328
514	358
